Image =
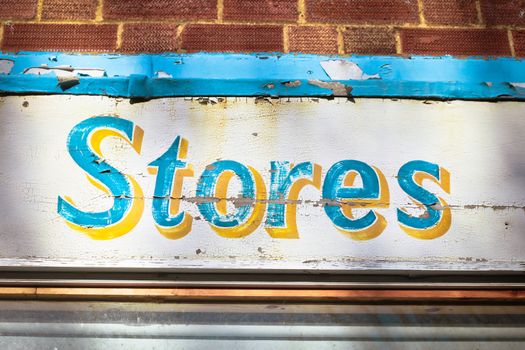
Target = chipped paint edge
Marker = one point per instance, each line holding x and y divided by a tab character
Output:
147	76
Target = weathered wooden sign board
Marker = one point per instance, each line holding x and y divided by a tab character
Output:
262	184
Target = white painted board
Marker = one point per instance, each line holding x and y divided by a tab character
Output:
479	144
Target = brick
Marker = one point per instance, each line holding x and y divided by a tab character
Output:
462	42
149	38
232	38
18	9
371	41
261	10
69	10
160	9
60	37
308	39
519	42
451	12
362	11
506	12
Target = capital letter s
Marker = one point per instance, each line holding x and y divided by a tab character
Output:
84	146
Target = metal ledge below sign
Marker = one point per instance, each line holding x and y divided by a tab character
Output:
149	76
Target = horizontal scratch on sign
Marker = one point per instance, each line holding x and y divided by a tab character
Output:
240	200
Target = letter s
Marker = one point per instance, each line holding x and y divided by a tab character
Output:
437	222
84	146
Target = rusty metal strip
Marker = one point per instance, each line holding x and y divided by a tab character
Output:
233	294
262	280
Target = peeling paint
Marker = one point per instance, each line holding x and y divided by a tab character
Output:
211	74
294	83
260	99
209	100
67	76
517	85
494	207
6	66
437	206
345	70
66	71
67	82
337	88
163	75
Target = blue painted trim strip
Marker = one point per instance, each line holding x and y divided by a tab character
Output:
209	74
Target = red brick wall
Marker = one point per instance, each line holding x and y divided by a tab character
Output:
386	27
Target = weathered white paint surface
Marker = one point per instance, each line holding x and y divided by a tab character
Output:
480	144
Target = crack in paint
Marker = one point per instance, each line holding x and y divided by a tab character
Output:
494	207
240	201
